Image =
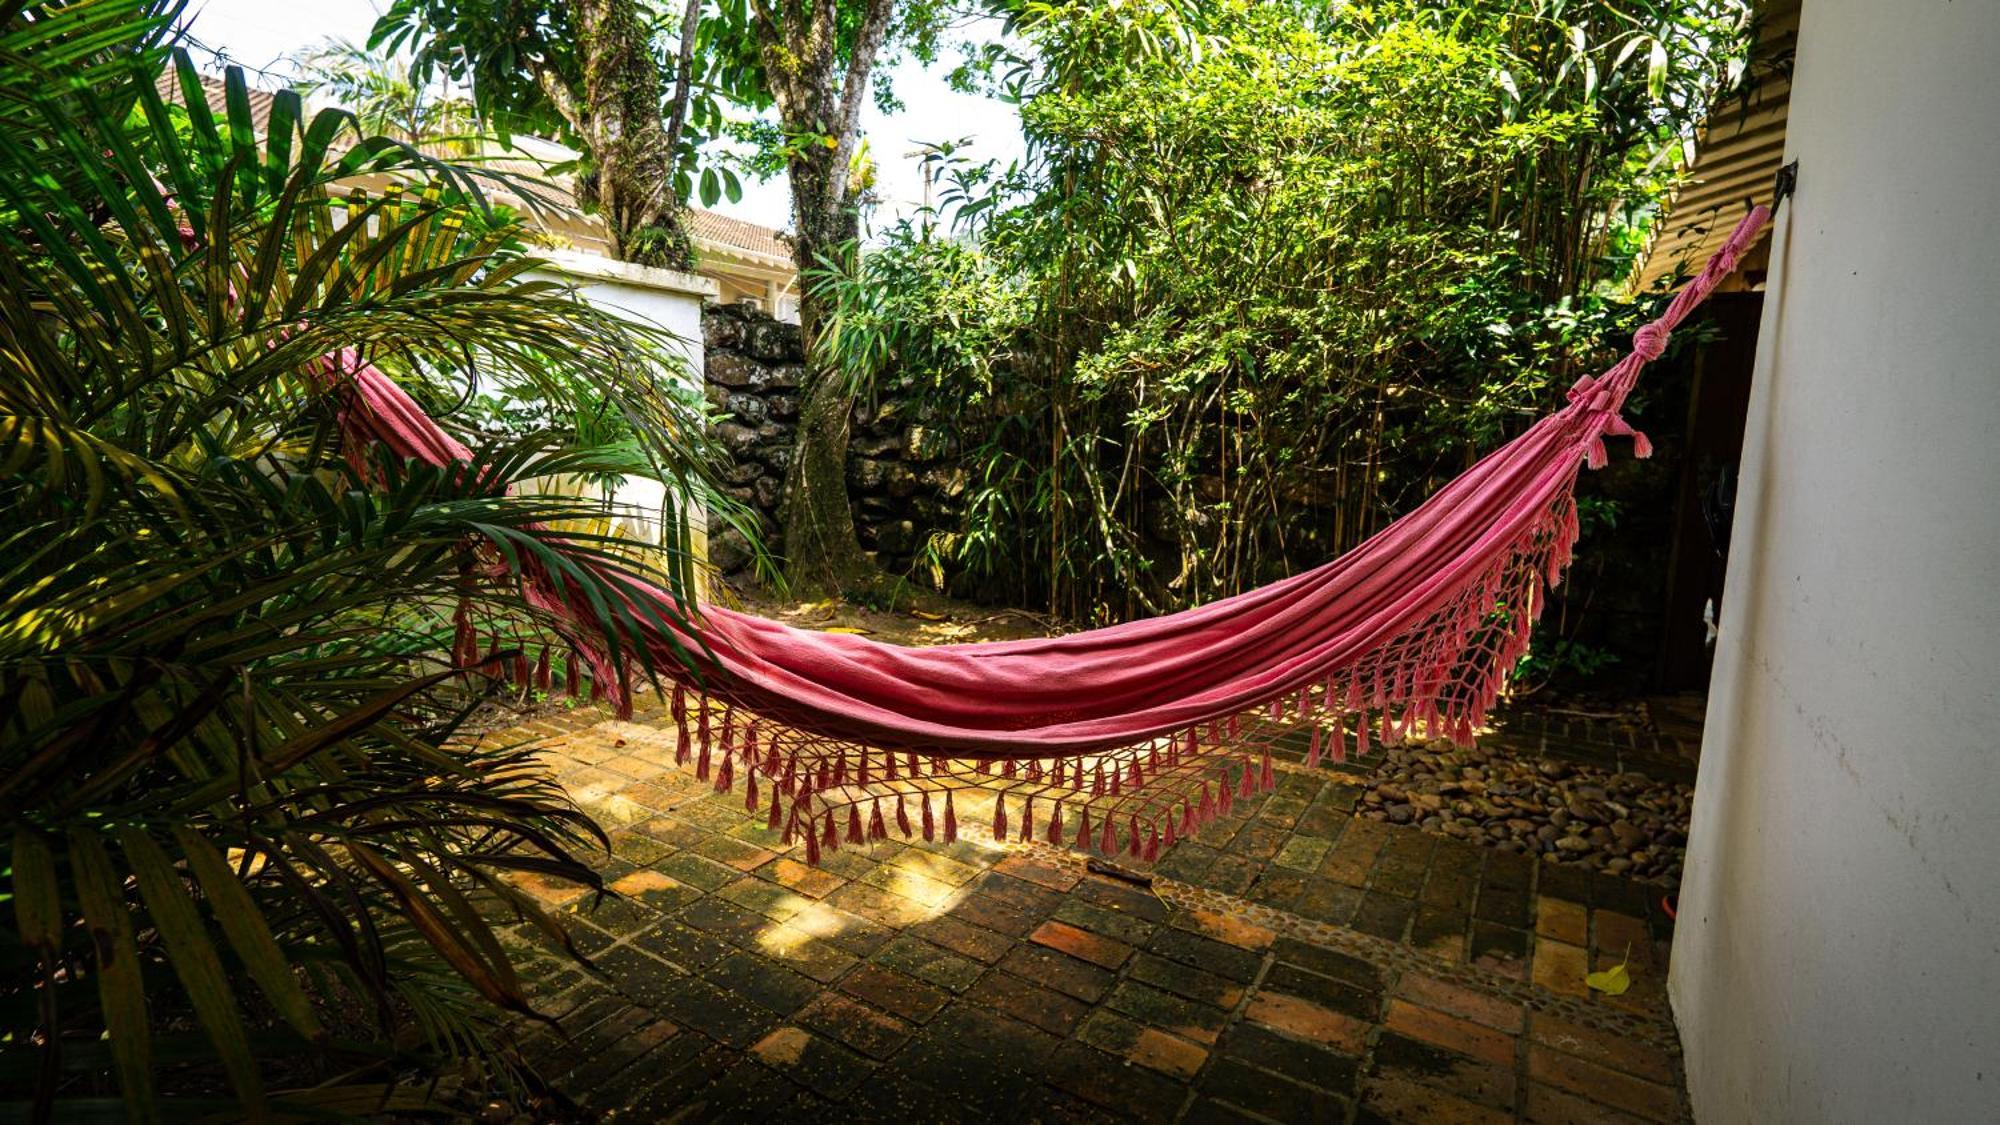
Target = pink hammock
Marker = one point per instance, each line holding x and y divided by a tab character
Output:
1149	727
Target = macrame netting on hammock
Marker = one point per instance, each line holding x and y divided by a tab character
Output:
1125	738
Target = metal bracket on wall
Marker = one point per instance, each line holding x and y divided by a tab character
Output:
1787	182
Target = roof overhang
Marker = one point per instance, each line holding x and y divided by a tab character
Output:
1737	156
720	254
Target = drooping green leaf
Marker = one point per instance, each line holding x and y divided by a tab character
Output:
120	988
193	956
243	923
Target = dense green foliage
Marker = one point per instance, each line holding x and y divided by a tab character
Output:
1271	272
244	836
386	98
596	74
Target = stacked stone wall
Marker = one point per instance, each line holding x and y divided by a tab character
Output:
897	466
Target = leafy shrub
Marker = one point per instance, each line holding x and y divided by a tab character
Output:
244	836
1272	272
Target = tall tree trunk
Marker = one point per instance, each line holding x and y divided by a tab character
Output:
620	116
823	553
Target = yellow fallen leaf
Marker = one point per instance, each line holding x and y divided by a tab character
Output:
1612	981
849	629
927	615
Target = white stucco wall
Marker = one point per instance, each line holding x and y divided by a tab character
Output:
1838	954
664	298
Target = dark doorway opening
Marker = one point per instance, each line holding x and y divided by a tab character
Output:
1718	403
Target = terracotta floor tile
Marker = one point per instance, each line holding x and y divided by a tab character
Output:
1561	967
1441	1029
1602	1047
1096	949
1602	1084
1307	1021
1469	1003
1293	963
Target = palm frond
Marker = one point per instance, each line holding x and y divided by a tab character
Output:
237	653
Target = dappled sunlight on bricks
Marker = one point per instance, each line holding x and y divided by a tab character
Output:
1292	963
910	884
817	919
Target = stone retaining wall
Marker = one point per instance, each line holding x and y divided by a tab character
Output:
894	473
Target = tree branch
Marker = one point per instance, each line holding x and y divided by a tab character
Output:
677	109
874	28
775	50
560	97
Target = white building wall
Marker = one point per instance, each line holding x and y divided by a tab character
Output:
1838	954
662	298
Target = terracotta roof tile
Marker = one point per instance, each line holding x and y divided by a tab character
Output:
722	229
217	97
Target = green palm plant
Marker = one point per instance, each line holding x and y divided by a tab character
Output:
252	864
386	98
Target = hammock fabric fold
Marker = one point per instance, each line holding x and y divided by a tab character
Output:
1131	736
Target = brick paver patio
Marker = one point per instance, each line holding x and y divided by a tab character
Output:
1293	963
